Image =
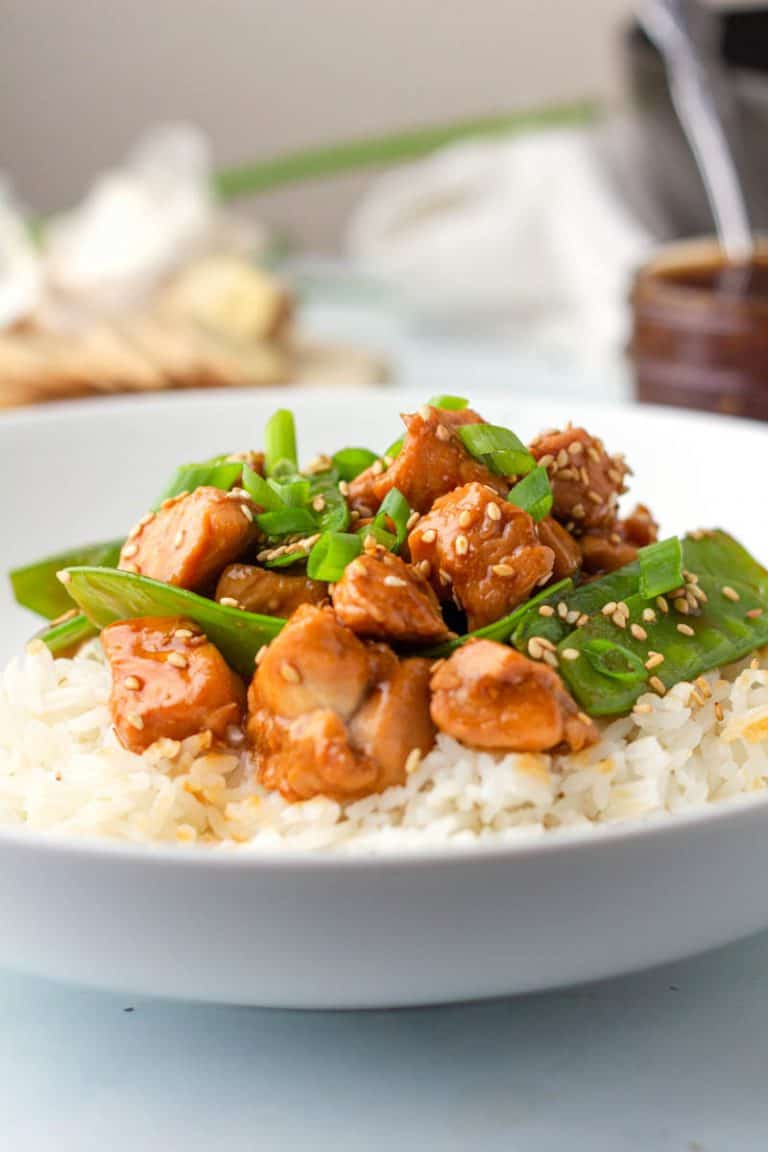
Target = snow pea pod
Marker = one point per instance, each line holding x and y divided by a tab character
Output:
35	585
105	595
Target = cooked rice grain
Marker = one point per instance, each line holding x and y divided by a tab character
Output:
62	769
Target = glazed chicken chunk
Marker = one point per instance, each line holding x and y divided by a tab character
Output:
381	596
618	544
319	702
480	550
267	591
487	695
168	681
191	538
566	548
432	461
586	482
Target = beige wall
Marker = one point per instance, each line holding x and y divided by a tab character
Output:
79	79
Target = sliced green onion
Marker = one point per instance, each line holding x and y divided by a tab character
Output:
260	491
215	473
498	448
394	507
449	403
614	660
395	449
287	522
661	567
280	442
294	494
350	462
330	556
381	535
533	494
334	514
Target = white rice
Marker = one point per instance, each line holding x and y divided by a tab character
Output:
62	769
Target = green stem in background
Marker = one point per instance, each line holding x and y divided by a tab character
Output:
396	148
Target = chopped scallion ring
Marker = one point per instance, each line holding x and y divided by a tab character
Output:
498	448
262	493
533	494
331	554
449	403
280	442
394	507
287	522
395	449
661	567
350	462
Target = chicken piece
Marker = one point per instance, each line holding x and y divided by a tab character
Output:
586	481
381	596
268	591
487	695
314	663
612	549
564	546
482	551
395	720
169	681
432	461
191	538
311	756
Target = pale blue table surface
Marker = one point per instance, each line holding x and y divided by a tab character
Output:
673	1060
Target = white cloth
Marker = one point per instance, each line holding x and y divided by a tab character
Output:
526	234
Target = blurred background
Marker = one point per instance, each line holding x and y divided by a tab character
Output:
231	193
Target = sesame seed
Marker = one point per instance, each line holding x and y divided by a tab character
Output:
658	685
615	475
318	503
429	536
493	511
550	659
260	655
444	577
395	582
177	659
412	761
64	577
546	610
703	687
534	648
730	593
178	539
247	513
576	448
583	717
132	683
424	567
690	577
562	458
685	629
619	619
661	604
572	616
461	545
583	620
465	519
130	550
578	512
649	616
584	476
229	602
754	613
622	607
718	711
412	520
442	433
546	461
638	632
570	653
643	709
609	608
546	644
595	497
681	605
370	543
135	721
343	487
593	454
699	594
654	660
502	570
377	468
290	673
562	609
183	633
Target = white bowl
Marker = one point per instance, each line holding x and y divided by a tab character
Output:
322	932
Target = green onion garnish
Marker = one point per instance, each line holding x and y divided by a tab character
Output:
394	507
280	442
533	494
395	449
216	473
260	491
350	462
614	660
498	448
287	522
449	403
294	494
661	567
330	556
